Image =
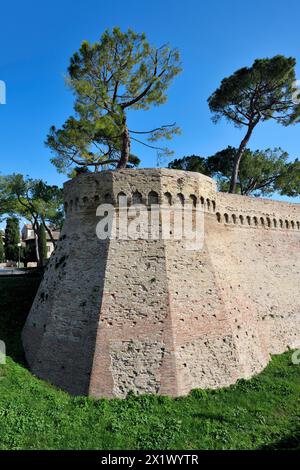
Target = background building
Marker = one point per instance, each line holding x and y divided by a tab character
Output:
29	239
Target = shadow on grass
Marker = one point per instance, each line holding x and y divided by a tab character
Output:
16	297
290	442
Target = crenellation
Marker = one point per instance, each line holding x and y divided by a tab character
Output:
265	210
266	223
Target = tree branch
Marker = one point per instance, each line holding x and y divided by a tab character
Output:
153	130
147	145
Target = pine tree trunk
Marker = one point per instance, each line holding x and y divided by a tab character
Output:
49	233
125	151
35	227
237	160
37	251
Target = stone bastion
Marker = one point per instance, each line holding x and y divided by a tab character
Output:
149	316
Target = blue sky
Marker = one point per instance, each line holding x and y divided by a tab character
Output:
214	37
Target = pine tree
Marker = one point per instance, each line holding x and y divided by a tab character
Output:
12	239
42	240
118	74
261	172
255	94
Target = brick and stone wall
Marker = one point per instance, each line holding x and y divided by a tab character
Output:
150	316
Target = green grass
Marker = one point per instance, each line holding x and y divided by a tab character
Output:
262	413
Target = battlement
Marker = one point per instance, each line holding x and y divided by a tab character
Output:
149	186
170	187
252	212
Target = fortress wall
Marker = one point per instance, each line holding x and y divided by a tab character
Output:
134	346
153	317
251	308
259	271
60	332
138	326
205	347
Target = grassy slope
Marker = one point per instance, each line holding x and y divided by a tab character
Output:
261	413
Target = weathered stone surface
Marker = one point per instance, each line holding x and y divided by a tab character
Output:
149	316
